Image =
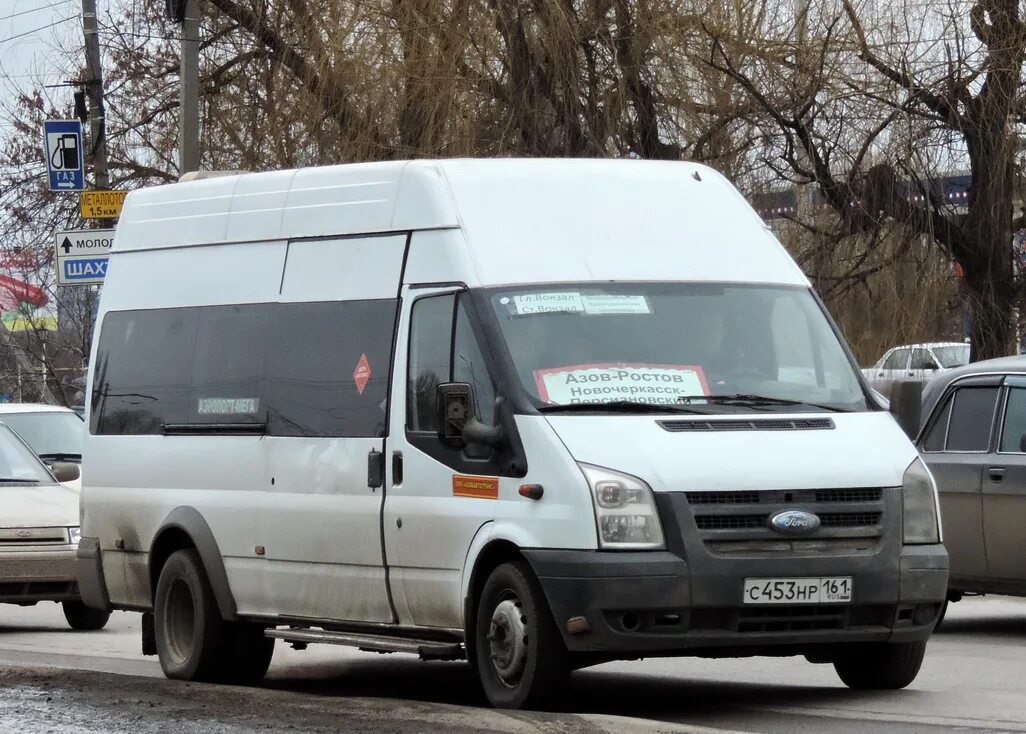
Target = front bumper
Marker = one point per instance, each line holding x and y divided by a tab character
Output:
688	598
33	574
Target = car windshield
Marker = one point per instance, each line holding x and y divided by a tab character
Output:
953	356
18	465
709	347
55	434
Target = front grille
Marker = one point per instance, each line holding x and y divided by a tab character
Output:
723	498
754	424
739	521
33	536
791	618
852	520
730	522
848	495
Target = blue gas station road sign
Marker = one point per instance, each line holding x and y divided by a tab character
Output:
62	143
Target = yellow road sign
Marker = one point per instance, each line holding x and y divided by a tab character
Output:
101	204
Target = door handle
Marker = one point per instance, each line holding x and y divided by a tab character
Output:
375	469
397	467
996	473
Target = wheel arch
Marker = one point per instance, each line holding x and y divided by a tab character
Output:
185	527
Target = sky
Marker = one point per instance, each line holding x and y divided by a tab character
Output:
31	34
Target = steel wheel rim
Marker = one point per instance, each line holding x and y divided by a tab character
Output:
180	620
507	641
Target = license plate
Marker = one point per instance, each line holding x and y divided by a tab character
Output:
823	590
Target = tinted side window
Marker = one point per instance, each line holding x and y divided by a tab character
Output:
306	369
897	361
972	415
228	370
934	440
1015	421
143	371
329	368
431	323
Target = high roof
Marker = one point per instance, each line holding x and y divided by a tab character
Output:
581	218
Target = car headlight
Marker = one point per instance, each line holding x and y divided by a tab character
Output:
74	535
919	505
625	510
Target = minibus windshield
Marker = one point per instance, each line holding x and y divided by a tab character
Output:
710	348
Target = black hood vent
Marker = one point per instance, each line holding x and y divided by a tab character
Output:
752	424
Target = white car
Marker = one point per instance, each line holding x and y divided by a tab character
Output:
55	433
915	362
39	535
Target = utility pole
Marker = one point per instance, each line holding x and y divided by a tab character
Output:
94	92
188	133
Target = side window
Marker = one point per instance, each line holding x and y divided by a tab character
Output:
306	369
329	368
444	348
897	361
972	415
431	323
934	440
143	371
468	365
923	360
1015	421
228	370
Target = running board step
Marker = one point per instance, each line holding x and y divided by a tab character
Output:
427	649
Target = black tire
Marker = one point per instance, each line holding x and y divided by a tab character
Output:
190	634
81	617
249	654
517	652
943	613
880	666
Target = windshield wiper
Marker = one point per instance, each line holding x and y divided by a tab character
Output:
619	406
745	399
15	480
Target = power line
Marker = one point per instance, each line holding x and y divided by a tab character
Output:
33	10
37	30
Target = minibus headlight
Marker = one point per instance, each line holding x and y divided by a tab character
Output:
919	505
74	535
625	510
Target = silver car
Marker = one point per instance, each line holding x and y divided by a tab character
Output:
915	362
974	441
39	535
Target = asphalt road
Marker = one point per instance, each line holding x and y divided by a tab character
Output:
974	679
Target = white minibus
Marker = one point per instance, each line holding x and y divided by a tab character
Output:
537	414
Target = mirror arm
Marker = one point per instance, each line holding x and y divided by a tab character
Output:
475	431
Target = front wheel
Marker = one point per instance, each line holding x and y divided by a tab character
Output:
81	617
518	653
880	665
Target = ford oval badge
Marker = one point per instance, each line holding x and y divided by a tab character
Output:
794	522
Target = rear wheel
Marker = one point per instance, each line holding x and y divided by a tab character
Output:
517	652
81	617
189	631
880	665
193	641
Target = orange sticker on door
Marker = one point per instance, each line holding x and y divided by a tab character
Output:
485	488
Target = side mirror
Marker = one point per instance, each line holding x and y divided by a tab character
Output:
65	471
458	424
906	405
1022	444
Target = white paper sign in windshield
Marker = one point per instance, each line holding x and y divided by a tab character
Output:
605	383
594	304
